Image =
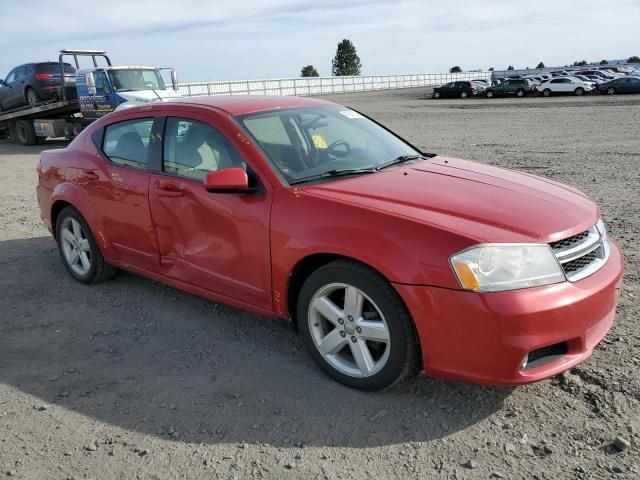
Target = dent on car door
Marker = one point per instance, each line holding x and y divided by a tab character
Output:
116	182
216	241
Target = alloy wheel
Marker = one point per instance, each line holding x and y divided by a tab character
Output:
32	97
75	246
349	330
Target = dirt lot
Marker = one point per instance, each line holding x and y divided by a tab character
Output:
132	379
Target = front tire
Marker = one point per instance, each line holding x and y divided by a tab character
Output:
489	94
579	91
546	92
356	327
78	249
611	91
464	94
436	95
519	93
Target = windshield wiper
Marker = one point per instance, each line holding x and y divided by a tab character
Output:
400	159
334	173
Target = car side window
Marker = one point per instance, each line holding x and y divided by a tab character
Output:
127	143
11	77
193	149
100	79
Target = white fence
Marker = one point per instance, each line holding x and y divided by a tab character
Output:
324	85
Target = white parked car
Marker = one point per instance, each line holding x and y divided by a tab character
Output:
565	85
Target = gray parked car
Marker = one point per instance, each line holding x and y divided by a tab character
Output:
518	87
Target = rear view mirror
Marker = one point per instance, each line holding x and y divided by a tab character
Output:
91	83
174	79
227	180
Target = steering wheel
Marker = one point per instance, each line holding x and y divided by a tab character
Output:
331	149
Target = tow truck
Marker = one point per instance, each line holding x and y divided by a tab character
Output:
93	93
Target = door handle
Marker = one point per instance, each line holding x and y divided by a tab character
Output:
91	175
169	189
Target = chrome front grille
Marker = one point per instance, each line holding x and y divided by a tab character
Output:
584	253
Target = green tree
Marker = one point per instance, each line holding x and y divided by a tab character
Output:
309	71
541	65
510	67
634	59
346	61
604	62
455	69
491	69
581	63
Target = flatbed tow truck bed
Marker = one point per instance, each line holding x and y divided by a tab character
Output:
56	107
19	122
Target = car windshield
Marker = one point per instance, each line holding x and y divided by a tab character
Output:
129	79
307	143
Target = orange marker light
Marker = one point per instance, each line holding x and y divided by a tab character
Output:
466	276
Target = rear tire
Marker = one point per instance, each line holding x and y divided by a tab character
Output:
24	132
579	91
546	92
519	93
464	94
339	333
78	249
490	94
31	96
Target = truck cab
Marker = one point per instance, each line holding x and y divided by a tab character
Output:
102	90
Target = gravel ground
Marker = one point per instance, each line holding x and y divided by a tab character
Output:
133	379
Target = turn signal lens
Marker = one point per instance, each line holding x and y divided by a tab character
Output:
467	279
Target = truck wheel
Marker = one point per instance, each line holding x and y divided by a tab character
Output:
32	97
25	134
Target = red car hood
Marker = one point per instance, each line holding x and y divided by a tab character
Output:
486	203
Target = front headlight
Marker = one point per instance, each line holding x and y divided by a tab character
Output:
505	266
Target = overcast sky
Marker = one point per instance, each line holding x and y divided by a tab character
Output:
245	39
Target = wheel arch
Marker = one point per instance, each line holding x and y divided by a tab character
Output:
56	207
304	268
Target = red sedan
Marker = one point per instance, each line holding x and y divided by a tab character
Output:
388	260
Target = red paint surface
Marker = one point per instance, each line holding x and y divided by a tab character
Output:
405	222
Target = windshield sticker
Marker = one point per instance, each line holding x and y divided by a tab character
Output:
350	114
319	141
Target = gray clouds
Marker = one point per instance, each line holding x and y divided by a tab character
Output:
252	39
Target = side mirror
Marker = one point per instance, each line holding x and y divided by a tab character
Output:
174	79
227	180
1	82
91	83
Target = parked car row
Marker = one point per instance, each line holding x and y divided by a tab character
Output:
610	80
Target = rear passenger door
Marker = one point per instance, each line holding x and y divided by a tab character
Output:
116	182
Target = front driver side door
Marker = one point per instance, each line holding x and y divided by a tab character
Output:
215	241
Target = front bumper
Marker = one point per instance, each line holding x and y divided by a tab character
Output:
484	338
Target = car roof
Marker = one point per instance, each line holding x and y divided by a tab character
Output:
243	104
